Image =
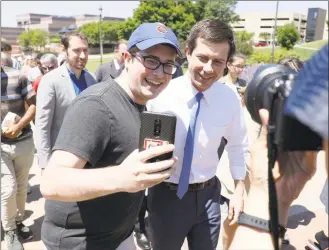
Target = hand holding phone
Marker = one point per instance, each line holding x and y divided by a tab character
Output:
157	129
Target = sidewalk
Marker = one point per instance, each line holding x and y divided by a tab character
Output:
307	214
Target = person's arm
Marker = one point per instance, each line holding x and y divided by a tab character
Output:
46	101
251	238
84	138
64	179
237	145
28	94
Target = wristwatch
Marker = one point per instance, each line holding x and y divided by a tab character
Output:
258	223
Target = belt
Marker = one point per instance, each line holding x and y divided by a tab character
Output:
191	187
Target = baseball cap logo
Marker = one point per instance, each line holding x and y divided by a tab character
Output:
162	29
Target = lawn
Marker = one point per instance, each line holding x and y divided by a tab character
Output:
93	64
304	54
314	45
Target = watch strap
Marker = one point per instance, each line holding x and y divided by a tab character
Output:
258	223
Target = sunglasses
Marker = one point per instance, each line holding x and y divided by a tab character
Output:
47	68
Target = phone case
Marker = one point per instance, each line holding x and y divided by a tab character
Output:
157	129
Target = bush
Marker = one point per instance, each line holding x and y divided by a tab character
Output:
243	42
244	47
265	56
288	36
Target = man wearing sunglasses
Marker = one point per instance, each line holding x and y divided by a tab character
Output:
95	180
48	62
114	68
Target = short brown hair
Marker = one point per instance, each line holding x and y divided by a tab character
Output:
5	46
117	44
292	62
211	30
65	40
236	55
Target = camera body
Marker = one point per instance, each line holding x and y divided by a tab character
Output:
269	89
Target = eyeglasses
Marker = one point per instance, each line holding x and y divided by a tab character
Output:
153	63
47	68
238	66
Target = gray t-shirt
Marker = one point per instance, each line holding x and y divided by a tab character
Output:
102	126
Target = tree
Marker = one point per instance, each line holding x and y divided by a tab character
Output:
243	42
327	24
179	15
265	35
55	38
91	31
223	10
36	38
109	32
287	36
23	39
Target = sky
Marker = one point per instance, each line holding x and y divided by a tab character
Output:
9	9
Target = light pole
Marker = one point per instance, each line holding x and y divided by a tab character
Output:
28	34
274	31
100	33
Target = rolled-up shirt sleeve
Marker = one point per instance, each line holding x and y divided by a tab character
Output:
237	145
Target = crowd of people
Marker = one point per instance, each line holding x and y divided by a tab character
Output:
85	131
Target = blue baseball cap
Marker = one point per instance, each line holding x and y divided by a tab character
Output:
148	35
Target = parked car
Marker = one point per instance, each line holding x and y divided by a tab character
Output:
261	44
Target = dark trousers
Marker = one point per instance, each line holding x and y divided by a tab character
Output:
140	226
196	216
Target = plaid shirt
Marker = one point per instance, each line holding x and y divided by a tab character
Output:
15	89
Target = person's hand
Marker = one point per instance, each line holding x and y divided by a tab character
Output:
291	172
12	131
236	204
138	174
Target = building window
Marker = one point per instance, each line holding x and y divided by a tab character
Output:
267	19
266	27
283	19
239	27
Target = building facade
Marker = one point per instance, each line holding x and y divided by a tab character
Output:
263	22
50	23
53	24
316	24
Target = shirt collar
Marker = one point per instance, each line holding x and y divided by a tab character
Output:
116	64
71	73
191	91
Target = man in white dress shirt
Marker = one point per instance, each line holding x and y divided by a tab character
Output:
209	114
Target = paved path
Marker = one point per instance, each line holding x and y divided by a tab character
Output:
307	214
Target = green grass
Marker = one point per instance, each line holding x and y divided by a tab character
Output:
93	64
315	45
304	54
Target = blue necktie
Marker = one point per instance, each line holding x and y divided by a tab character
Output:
188	150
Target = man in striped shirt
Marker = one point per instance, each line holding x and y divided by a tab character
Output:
17	151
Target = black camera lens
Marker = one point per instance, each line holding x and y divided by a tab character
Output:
257	95
157	127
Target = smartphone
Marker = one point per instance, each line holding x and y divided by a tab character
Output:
157	129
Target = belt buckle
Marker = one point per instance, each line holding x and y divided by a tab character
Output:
202	185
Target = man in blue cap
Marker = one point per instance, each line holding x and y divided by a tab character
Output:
95	179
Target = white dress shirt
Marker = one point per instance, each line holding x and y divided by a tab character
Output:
221	115
116	64
223	173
